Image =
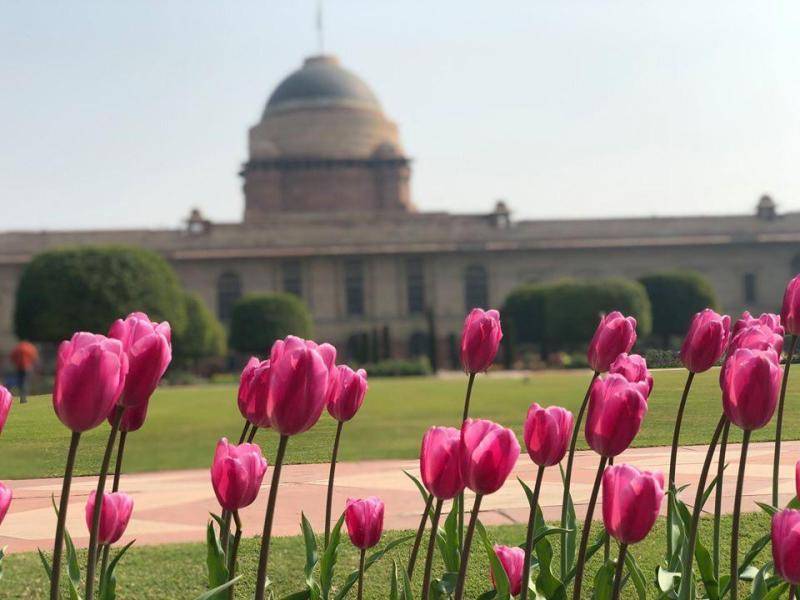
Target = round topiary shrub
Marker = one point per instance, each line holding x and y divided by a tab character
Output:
523	314
258	320
87	288
675	296
573	308
203	337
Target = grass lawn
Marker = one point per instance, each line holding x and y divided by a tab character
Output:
143	574
184	423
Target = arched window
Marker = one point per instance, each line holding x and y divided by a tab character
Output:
418	344
476	287
229	290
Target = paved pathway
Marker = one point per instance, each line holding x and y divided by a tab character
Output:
173	506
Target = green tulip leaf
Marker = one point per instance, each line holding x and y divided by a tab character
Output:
760	586
744	568
73	568
108	581
371	560
215	561
394	592
213	594
422	491
570	547
329	557
45	563
604	582
636	576
501	583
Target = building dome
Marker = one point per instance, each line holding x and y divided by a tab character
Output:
322	81
322	111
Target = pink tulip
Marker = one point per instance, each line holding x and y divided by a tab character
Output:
547	433
480	339
790	311
439	462
616	410
254	392
757	337
488	453
750	385
90	376
133	417
149	349
631	502
769	320
114	515
5	500
797	478
614	335
632	367
349	389
298	385
5	406
364	519
237	473
706	340
513	561
786	544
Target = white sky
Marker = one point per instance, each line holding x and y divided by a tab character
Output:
128	114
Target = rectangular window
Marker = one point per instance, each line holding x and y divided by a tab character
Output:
415	284
292	277
354	286
750	292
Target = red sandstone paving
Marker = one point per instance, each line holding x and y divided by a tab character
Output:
173	506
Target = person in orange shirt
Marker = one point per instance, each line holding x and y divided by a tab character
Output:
24	356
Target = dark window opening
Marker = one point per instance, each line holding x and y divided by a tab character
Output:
354	287
415	284
476	287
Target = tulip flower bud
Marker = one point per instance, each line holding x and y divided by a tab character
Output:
632	367
254	392
706	340
439	462
149	349
349	388
547	433
5	500
614	335
631	502
790	311
513	562
616	410
750	384
237	473
5	406
757	337
90	376
364	520
770	320
480	339
786	544
114	515
488	453
299	377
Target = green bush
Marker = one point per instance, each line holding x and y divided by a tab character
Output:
523	313
87	288
675	296
399	367
203	337
662	359
573	308
258	320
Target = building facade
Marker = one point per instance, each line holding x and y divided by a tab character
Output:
328	216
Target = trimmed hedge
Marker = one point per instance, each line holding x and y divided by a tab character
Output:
203	337
675	296
523	313
87	288
258	320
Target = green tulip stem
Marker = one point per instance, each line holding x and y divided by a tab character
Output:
412	559
723	448
426	579
607	542
331	475
114	488
587	526
361	561
673	457
263	557
464	417
737	510
91	561
623	550
526	569
252	434
568	475
244	431
462	571
776	463
688	560
234	551
62	514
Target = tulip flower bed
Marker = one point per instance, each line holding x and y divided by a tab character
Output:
143	577
176	438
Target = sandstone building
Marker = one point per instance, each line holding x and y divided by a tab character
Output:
328	216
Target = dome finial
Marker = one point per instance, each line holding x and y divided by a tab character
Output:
320	29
